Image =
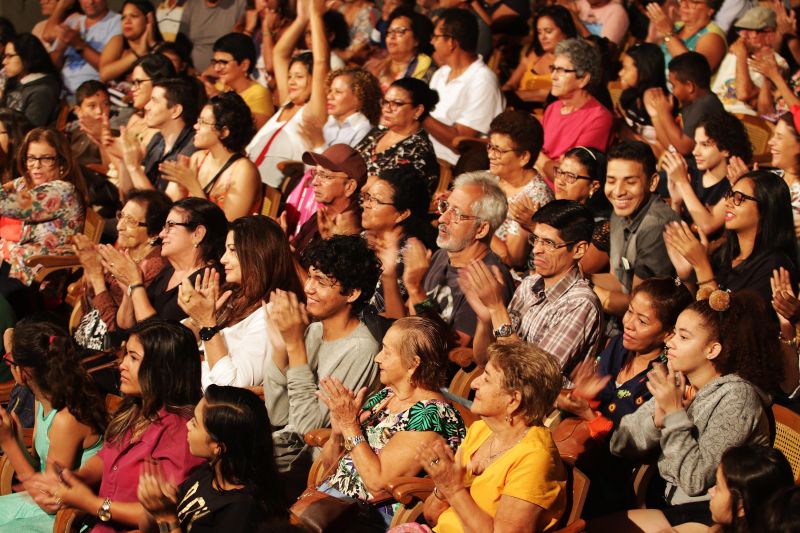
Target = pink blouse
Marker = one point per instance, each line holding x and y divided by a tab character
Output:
588	126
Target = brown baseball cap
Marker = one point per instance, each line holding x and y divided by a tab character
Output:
340	158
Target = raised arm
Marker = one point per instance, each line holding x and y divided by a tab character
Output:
282	52
316	110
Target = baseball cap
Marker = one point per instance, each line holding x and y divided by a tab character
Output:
340	158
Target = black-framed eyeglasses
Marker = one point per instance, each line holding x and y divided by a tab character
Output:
220	62
562	70
493	149
129	220
568	177
10	362
397	31
443	207
737	197
137	84
171	224
548	244
393	105
367	200
46	161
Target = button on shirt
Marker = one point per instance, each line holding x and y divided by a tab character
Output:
473	99
349	132
564	320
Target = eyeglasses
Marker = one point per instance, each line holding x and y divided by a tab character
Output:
493	149
562	70
457	216
367	200
737	197
7	360
440	36
547	244
568	177
397	31
137	84
325	176
203	122
220	62
171	224
46	161
393	105
129	220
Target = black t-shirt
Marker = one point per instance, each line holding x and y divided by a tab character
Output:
164	301
754	273
204	508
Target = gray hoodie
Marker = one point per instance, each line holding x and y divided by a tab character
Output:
728	411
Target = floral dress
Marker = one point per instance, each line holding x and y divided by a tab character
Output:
381	425
50	214
416	150
538	191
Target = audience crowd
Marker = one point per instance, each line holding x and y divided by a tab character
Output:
251	252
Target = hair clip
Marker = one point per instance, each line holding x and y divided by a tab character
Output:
718	300
52	338
587	151
677	281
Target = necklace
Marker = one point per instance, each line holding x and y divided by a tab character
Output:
491	445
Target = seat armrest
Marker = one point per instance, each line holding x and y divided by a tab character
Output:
53	261
406	489
68	520
577	526
317	437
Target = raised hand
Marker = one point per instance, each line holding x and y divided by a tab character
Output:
521	211
680	238
202	299
416	263
661	21
157	495
736	169
119	265
487	284
183	172
344	405
784	300
439	462
667	387
289	315
587	382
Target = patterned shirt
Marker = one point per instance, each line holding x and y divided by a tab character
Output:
381	425
564	320
415	150
538	192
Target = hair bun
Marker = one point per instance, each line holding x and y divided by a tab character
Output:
703	293
719	300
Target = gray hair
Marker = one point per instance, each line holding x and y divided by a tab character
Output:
492	206
584	57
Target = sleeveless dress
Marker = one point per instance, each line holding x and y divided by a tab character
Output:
18	511
691	42
275	142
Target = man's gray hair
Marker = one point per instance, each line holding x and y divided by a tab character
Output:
584	57
492	206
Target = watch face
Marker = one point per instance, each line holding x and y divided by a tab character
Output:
104	515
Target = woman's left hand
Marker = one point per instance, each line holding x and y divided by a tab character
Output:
439	462
661	21
201	300
681	239
667	387
343	404
183	172
120	265
157	495
67	489
42	488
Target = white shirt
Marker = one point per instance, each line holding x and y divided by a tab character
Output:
724	83
249	348
473	99
350	131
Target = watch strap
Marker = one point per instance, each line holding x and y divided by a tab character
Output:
351	442
133	287
505	330
166	527
208	332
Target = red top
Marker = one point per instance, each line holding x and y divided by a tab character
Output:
164	441
588	126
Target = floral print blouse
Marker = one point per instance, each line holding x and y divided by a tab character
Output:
416	150
51	213
381	425
538	191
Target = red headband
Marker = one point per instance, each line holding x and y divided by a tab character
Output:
795	111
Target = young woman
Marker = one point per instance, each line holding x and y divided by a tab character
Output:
140	35
301	91
642	68
235	335
759	239
784	145
722	356
33	84
160	384
70	417
231	431
699	195
219	171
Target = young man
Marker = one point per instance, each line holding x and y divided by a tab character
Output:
172	110
467	221
342	275
737	83
469	94
637	250
690	77
555	308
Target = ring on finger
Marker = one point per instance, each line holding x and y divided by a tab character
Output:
434	461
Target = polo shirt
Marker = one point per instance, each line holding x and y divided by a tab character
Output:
637	243
473	99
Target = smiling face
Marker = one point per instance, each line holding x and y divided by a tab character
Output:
129	367
627	187
643	331
582	189
142	87
549	34
324	298
706	153
491	398
176	240
395	368
504	158
628	74
691	347
400	40
743	217
230	260
299	83
342	101
131	231
12	63
784	147
156	110
42	163
134	22
228	69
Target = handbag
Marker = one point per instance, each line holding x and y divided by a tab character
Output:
573	439
322	513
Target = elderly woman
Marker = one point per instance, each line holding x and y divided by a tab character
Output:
219	171
192	239
33	84
577	118
408	49
230	320
515	138
694	31
400	138
380	437
138	225
507	475
40	210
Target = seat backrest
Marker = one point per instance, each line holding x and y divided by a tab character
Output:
577	490
758	131
272	202
93	225
787	437
461	383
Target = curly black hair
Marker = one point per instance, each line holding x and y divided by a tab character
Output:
348	260
231	111
728	133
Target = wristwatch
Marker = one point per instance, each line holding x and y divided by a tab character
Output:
207	333
352	442
503	331
668	37
132	287
104	513
166	527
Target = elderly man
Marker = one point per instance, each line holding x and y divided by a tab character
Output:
467	220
